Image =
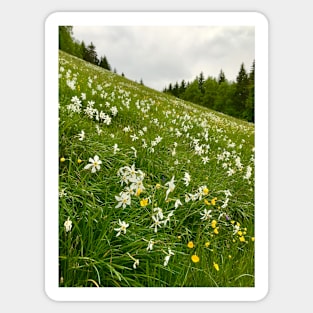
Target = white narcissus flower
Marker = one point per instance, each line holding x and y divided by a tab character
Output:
157	223
94	164
187	179
206	214
81	135
122	227
124	199
177	203
150	245
136	263
171	186
167	257
68	225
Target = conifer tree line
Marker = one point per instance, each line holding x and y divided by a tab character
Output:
232	98
72	46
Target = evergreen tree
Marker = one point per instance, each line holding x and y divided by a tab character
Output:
175	90
221	77
91	54
242	91
249	105
182	87
104	63
201	82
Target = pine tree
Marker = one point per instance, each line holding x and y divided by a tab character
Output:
242	91
201	82
249	105
91	54
221	77
104	63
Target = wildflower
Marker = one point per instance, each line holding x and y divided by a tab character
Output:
187	179
122	227
190	245
168	218
205	160
205	190
167	257
177	203
136	263
236	229
150	245
252	239
216	266
144	202
213	201
215	231
135	151
213	224
206	214
62	159
81	135
133	137
195	258
123	199
187	198
171	186
68	225
207	202
207	244
157	223
249	172
227	193
115	148
62	193
242	239
159	212
79	161
94	164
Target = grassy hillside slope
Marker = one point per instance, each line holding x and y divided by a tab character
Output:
153	191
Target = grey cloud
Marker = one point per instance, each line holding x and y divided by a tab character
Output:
160	55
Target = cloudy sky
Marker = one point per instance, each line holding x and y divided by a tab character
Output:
162	55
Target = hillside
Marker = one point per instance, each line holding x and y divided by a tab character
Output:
153	191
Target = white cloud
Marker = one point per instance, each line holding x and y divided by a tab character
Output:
162	55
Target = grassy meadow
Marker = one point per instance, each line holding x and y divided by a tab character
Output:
153	191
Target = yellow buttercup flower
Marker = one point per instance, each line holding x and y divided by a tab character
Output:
144	202
205	190
190	244
242	239
207	244
252	238
207	202
215	231
195	258
79	161
62	159
216	266
213	223
213	201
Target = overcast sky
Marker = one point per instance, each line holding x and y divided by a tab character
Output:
162	55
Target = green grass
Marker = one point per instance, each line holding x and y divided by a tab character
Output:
174	137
